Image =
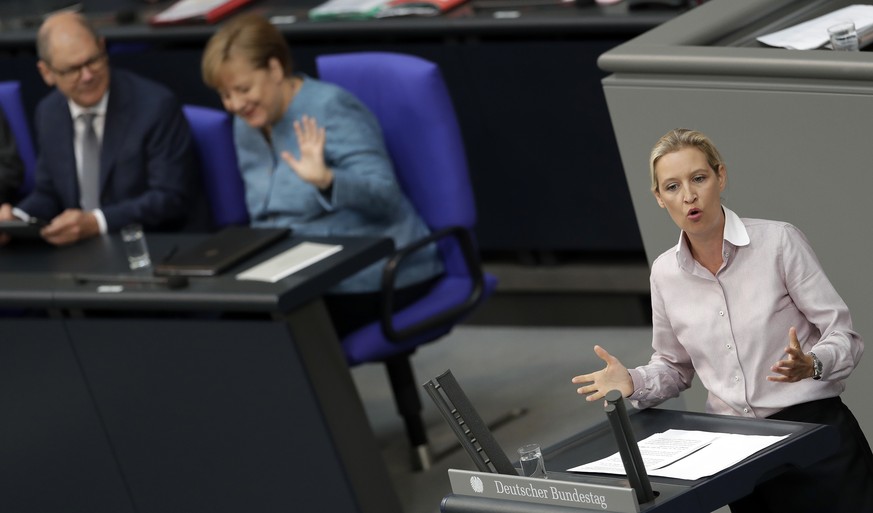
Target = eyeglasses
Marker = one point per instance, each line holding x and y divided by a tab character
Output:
94	64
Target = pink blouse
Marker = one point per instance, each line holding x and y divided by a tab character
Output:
732	327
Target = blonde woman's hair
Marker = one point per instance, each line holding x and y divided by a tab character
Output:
680	138
249	36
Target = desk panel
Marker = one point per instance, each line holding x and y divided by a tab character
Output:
43	275
217	417
54	453
163	399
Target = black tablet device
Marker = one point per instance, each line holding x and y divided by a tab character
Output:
18	229
220	251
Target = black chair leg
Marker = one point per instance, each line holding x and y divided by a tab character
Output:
408	403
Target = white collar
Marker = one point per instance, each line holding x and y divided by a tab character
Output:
734	233
99	108
734	229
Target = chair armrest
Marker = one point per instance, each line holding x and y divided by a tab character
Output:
471	260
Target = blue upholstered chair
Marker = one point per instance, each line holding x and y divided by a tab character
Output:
213	137
13	107
408	96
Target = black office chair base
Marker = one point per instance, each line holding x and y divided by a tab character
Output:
405	391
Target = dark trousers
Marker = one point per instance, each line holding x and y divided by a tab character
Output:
841	483
349	312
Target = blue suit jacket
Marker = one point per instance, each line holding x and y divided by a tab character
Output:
148	171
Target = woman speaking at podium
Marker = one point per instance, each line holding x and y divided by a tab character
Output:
745	304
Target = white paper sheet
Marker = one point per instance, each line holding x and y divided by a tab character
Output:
723	452
658	450
683	454
299	257
814	33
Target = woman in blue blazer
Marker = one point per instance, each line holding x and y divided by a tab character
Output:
313	159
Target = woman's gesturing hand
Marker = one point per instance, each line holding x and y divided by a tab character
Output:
612	377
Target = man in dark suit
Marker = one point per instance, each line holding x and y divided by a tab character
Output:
114	149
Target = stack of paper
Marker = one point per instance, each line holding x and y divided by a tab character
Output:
814	33
687	455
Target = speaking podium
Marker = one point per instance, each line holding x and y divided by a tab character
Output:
804	445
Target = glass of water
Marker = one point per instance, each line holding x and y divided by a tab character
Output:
531	459
844	37
135	246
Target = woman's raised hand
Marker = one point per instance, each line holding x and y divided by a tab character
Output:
310	166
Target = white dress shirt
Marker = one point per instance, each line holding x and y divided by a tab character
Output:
731	327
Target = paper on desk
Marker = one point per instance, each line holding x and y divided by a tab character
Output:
284	264
657	451
346	9
725	451
814	33
683	454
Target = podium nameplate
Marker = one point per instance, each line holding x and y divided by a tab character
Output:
544	491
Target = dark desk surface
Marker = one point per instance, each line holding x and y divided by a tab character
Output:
39	275
805	443
130	413
20	20
713	492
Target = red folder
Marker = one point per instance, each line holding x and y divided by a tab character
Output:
197	11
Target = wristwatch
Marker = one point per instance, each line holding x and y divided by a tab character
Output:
816	366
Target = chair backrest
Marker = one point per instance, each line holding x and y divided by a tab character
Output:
212	130
13	108
409	98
